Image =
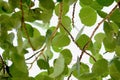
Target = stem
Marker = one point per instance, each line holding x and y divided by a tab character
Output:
23	25
86	45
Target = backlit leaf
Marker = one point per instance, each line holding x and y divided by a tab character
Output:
99	37
88	19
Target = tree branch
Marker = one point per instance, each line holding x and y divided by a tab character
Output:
40	53
73	14
86	45
59	21
23	25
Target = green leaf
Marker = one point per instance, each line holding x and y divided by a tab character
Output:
97	56
102	14
14	4
69	2
79	70
58	67
105	2
115	15
59	0
99	37
83	39
114	68
67	55
61	40
117	50
5	7
86	2
108	29
38	42
95	5
46	15
49	6
65	9
109	44
96	48
87	76
29	31
42	64
88	19
66	23
18	69
49	54
100	67
43	76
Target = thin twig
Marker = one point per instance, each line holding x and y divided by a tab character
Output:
76	45
69	76
59	20
41	52
86	45
23	25
34	54
73	14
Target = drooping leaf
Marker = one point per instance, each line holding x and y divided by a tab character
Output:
105	2
88	19
100	67
58	67
79	34
83	39
67	56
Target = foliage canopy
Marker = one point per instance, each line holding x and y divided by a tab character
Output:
17	24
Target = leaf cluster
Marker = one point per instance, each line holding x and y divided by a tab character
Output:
18	34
